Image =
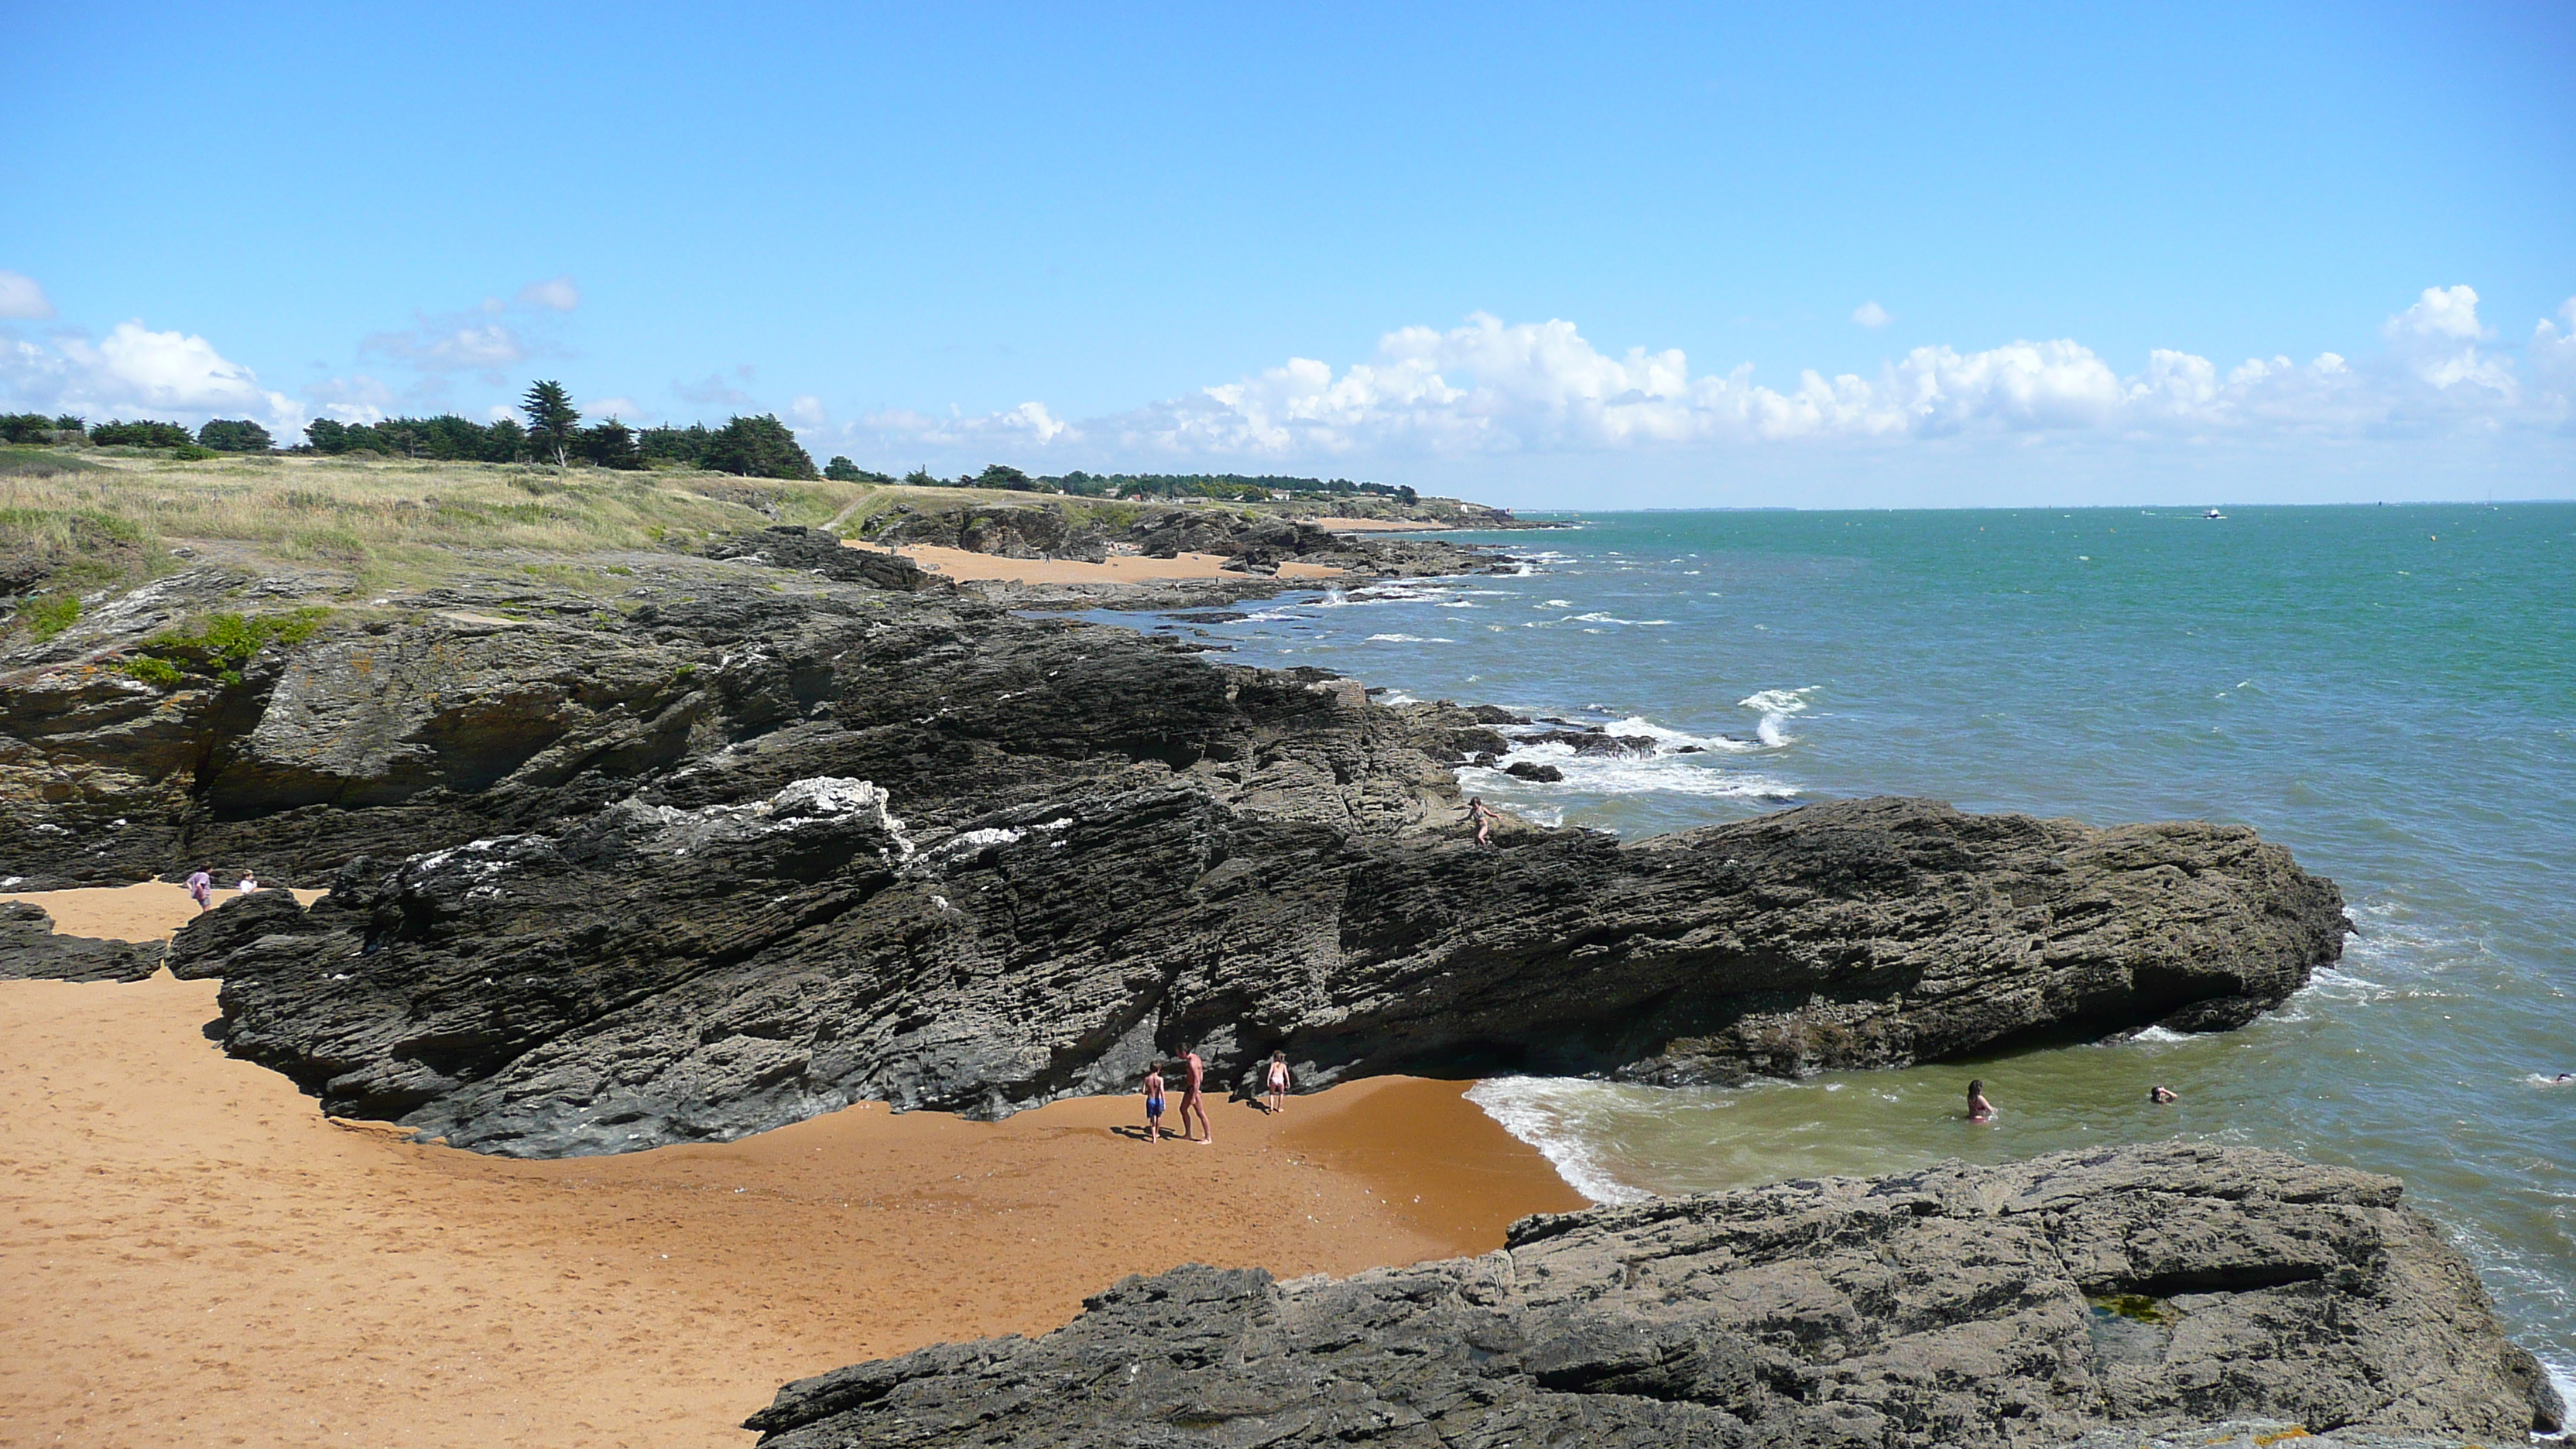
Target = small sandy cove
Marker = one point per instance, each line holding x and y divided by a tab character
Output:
964	564
190	1254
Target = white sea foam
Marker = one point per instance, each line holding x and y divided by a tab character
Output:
2160	1036
1406	639
1546	1113
1624	775
1669	740
1776	706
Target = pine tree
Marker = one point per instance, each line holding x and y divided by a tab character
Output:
551	421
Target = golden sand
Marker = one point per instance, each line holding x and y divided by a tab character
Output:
191	1254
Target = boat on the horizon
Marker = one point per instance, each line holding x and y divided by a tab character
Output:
2213	513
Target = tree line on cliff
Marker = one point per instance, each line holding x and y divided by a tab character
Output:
756	447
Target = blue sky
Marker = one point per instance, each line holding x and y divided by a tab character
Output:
1543	254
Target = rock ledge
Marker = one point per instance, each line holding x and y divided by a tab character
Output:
2102	1297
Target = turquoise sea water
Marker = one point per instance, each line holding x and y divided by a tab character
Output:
2389	691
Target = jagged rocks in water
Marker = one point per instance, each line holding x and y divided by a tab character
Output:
2146	1289
1531	770
661	972
30	949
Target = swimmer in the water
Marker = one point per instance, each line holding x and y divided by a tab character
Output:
1979	1109
2162	1093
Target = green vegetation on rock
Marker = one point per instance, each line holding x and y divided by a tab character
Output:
151	670
46	618
222	643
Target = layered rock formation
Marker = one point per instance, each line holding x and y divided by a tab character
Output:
2148	1290
31	950
770	833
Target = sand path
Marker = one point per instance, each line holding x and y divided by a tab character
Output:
190	1254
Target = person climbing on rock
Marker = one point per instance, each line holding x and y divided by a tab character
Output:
1193	1071
1277	1083
201	889
1154	1103
1482	816
1979	1109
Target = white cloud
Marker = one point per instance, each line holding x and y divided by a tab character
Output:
713	391
450	346
20	297
137	372
1490	388
359	399
807	412
1028	424
2553	356
555	294
622	408
1870	314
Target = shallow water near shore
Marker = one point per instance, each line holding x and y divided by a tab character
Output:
2388	691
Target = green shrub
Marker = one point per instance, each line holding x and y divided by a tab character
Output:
49	617
191	453
151	671
229	641
234	435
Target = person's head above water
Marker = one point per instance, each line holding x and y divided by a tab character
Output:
2162	1093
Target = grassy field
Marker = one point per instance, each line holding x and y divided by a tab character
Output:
73	521
77	521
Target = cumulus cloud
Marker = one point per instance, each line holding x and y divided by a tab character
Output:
622	408
714	390
137	372
1870	314
449	346
21	298
1028	424
359	399
1491	387
2553	356
555	294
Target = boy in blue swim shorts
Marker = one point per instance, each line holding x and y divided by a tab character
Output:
1154	1103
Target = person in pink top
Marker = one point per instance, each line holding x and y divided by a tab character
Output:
201	889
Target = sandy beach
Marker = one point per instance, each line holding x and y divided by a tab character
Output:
191	1254
963	564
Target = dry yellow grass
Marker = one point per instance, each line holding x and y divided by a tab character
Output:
385	520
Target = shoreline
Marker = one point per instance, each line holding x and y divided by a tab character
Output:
244	1266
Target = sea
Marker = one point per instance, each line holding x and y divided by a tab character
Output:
2389	691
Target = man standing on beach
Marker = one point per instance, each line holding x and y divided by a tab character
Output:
1194	1070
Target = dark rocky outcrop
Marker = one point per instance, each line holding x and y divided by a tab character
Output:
817	551
670	969
747	842
1253	542
31	950
2149	1289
